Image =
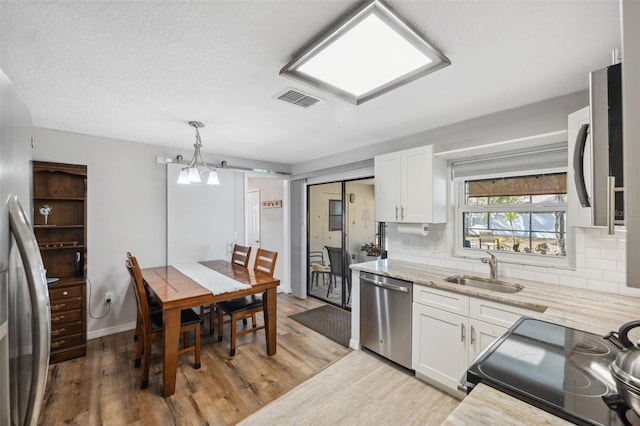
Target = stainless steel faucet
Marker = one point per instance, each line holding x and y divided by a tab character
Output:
493	265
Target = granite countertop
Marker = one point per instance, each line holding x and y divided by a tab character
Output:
582	309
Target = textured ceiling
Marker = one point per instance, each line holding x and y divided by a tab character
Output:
141	70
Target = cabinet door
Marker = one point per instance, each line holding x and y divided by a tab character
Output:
416	182
387	187
577	214
439	342
481	335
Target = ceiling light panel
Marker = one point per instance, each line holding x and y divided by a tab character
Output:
369	53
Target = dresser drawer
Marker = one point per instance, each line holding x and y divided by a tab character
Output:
440	299
66	317
66	342
497	313
65	329
65	305
61	294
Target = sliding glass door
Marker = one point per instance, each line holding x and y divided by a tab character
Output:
340	222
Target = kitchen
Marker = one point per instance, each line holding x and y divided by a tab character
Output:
70	145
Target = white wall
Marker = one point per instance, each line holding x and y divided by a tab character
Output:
126	212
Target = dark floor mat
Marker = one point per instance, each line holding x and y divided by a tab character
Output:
332	322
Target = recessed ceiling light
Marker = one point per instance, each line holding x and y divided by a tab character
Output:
369	53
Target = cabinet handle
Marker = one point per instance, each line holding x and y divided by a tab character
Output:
57	318
401	213
462	336
58	344
58	307
396	212
65	293
472	337
58	331
611	205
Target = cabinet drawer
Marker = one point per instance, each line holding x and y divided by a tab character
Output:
66	317
497	313
65	305
61	294
60	330
66	342
445	300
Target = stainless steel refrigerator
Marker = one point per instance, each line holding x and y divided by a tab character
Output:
25	318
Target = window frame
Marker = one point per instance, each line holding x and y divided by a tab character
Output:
458	250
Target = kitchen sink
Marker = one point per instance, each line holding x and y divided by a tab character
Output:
484	283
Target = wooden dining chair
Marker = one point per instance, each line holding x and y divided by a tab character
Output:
240	257
151	325
154	306
248	306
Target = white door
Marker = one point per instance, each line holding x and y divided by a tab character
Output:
416	184
253	221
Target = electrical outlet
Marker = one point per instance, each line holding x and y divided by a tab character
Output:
108	297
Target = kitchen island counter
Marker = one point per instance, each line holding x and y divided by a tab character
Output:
582	309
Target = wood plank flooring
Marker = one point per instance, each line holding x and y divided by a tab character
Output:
102	388
360	389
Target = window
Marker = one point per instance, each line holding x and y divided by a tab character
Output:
335	215
519	214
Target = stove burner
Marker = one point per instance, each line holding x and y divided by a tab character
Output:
572	379
591	346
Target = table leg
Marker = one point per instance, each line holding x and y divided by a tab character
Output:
270	318
171	340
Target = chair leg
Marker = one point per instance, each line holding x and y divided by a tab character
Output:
211	318
220	324
254	322
139	348
232	350
147	360
197	348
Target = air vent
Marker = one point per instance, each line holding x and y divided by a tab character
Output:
297	98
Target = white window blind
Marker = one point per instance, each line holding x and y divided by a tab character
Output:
550	158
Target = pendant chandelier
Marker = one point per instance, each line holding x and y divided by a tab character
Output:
197	167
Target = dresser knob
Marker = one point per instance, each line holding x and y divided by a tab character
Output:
65	293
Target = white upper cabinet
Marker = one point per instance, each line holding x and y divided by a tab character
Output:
411	186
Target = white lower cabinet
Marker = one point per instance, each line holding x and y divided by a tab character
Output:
447	337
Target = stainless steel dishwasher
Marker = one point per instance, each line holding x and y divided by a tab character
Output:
385	317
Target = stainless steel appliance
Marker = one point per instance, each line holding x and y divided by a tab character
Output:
24	299
561	370
595	151
385	317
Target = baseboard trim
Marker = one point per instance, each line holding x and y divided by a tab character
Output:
354	344
94	334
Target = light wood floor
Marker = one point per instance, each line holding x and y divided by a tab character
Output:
360	389
102	388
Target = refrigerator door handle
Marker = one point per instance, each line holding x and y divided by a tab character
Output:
39	295
578	165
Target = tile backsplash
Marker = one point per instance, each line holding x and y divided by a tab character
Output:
600	259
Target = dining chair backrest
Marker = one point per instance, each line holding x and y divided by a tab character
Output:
241	255
336	259
265	261
316	257
138	287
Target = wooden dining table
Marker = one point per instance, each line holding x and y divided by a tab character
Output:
175	291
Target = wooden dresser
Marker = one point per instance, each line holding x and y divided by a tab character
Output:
59	222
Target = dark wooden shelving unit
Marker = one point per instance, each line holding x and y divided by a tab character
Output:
62	238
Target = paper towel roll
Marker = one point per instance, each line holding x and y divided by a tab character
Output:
414	228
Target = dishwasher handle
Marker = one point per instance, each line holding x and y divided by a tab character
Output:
386	285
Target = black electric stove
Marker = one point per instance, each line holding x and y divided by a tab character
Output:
558	369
